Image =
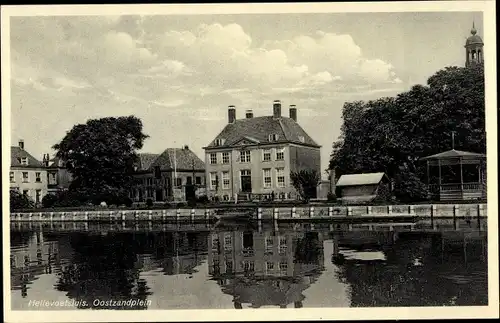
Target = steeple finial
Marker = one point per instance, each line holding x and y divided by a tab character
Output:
473	30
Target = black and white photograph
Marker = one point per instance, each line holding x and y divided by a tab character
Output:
249	161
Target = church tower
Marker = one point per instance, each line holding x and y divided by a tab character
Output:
473	49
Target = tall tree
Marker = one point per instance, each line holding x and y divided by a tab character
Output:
305	183
100	156
391	134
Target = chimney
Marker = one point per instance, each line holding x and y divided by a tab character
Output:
45	160
277	109
231	114
249	114
21	143
293	112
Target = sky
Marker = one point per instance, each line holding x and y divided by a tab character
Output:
179	74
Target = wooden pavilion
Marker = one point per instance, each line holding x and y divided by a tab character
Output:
456	175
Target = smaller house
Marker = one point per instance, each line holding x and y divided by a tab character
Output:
362	188
59	178
169	176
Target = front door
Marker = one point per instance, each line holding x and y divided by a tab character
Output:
159	194
246	181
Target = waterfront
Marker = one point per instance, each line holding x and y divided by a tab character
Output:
200	266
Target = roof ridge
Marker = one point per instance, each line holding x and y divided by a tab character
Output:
283	129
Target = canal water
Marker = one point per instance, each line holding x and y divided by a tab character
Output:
242	266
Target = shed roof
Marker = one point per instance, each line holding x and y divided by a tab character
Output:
455	154
360	179
170	158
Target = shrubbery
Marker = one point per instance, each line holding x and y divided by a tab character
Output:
20	201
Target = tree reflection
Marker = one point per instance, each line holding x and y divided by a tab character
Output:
414	274
104	269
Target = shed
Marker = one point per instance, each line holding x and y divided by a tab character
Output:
360	188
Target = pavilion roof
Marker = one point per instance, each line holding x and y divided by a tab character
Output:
452	154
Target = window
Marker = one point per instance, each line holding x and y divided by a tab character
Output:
245	156
269	266
280	177
248	265
267	178
225	197
301	139
25	177
38	196
228	242
267	155
38	177
283	266
225	180
198	180
215	242
12	177
269	245
178	182
219	142
213	158
24	161
229	266
189	180
282	245
280	154
225	157
52	178
213	181
273	137
157	172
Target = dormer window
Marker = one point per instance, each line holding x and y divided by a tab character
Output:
24	161
301	139
273	137
219	142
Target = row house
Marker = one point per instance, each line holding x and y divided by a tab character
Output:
27	174
255	156
168	176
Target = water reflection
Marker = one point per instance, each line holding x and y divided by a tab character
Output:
246	267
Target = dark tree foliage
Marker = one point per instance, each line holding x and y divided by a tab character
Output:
391	134
20	201
305	183
100	156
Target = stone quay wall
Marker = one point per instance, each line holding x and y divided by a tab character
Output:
430	211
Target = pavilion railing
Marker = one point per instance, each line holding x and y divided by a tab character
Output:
456	187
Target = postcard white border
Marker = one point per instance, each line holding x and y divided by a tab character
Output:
488	9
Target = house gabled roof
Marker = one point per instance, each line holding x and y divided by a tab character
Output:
145	160
258	129
169	159
455	154
17	153
360	179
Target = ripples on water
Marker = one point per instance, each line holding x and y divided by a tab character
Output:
198	266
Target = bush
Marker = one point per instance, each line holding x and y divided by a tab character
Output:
149	202
181	204
409	188
20	201
331	197
49	200
203	199
128	202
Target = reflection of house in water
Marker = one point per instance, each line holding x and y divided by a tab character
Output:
31	257
175	252
265	269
